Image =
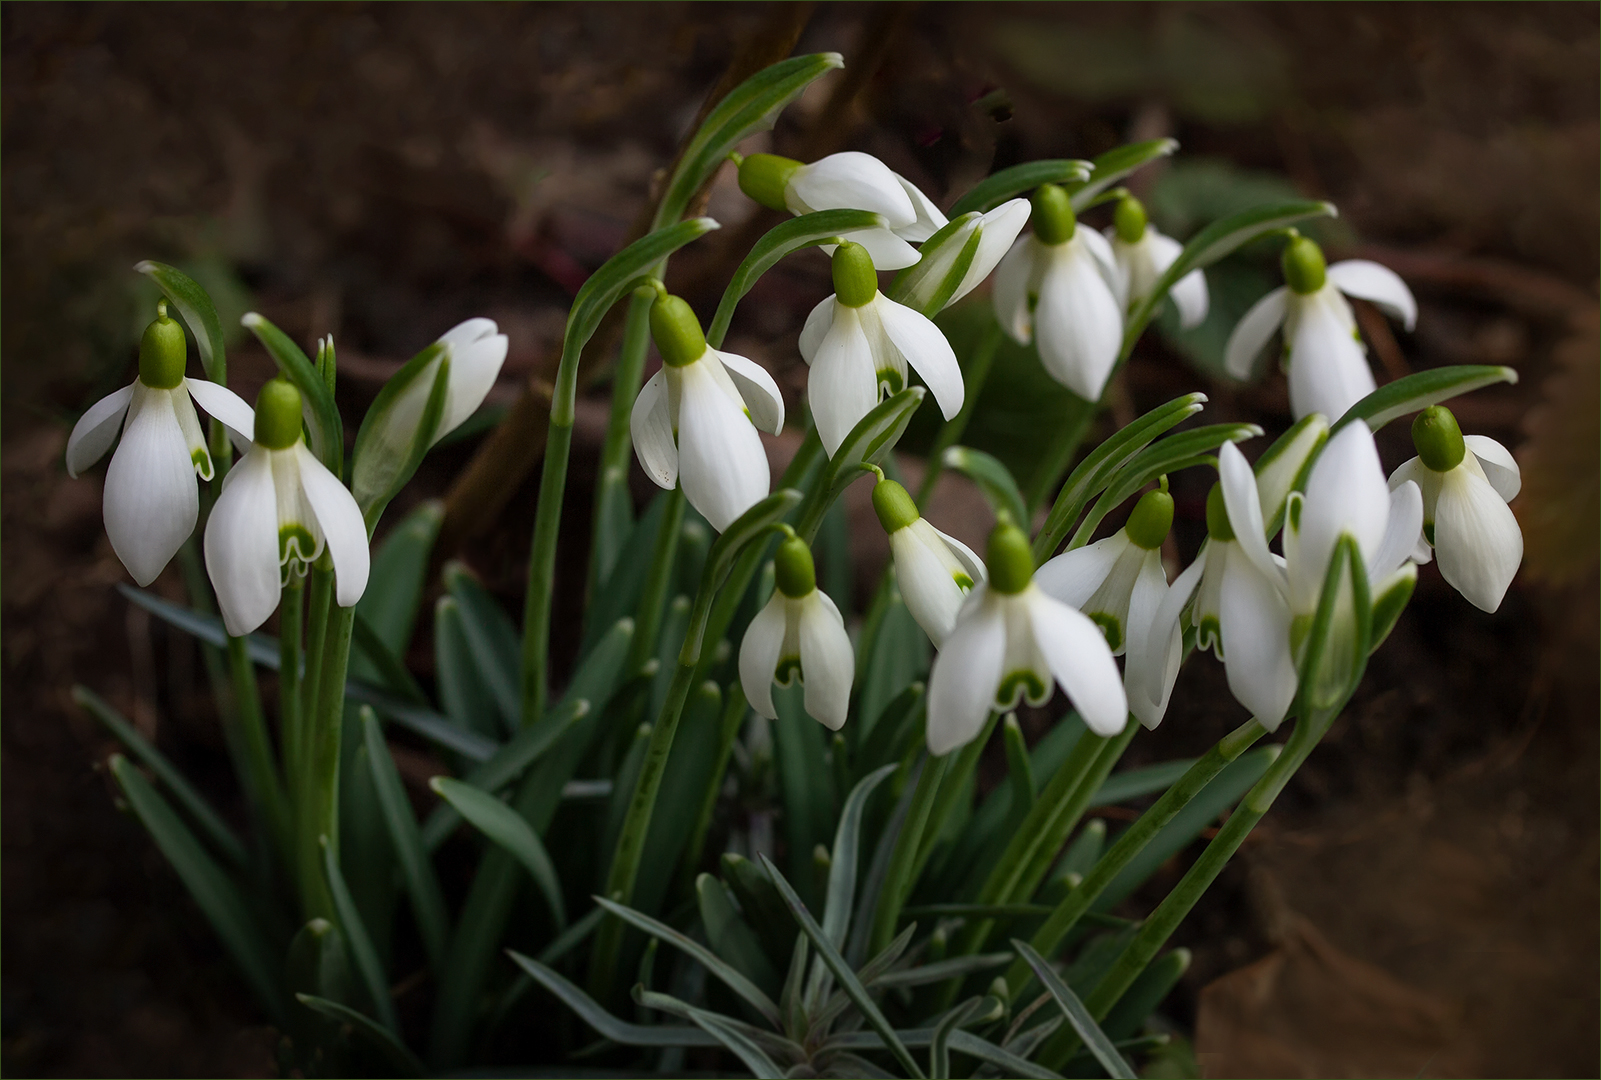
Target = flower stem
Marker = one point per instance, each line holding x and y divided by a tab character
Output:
898	880
658	581
261	769
978	370
290	714
318	804
322	591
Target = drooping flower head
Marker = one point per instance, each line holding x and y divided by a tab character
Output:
151	498
695	420
1056	286
955	260
798	635
1142	255
935	572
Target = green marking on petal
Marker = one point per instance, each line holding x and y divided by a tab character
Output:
1016	685
789	670
1428	532
1110	627
891	380
962	580
1210	635
295	543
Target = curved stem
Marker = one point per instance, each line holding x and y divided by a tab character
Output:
542	554
898	881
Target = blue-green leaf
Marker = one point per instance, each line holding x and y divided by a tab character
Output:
990	192
394	588
427	901
1077	1015
402	1060
195	305
1422	389
618	1031
507	828
730	936
992	478
1117	163
327	432
361	946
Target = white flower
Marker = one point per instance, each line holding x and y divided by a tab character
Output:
1465	514
1323	354
996	231
151	499
1057	286
693	420
1014	642
934	571
1141	255
279	508
859	342
799	634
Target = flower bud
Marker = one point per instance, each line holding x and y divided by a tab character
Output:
1129	219
278	415
1438	439
895	507
764	177
1304	267
1053	216
1152	518
855	279
161	352
676	331
793	569
1217	515
1008	558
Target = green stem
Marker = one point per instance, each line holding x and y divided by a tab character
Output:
322	592
542	555
261	770
1059	453
956	777
291	735
1074	906
978	370
319	802
614	453
658	581
902	862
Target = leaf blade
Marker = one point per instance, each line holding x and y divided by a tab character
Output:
1077	1015
507	828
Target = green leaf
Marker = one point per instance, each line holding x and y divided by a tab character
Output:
750	107
386	454
222	838
388	668
694	753
1147	992
957	967
1393	593
507	828
427	901
361	946
217	896
783	240
842	972
1077	1015
990	192
1123	786
394	588
978	1009
1337	646
847	846
492	637
800	755
1008	1064
732	978
402	1060
619	595
607	1025
891	734
1117	163
749	527
327	432
992	478
1418	391
730	936
1283	467
195	305
739	1039
875	435
943	261
467	676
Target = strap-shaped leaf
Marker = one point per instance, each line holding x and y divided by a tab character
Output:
1148	991
1389	600
973	1010
730	935
1338	644
380	463
990	192
750	107
749	527
1008	1064
214	892
427	901
735	980
507	828
847	846
992	478
957	967
194	304
873	437
1117	163
743	1040
794	235
394	588
842	973
1422	389
491	636
388	666
401	1059
361	946
327	432
1120	787
618	1031
1077	1015
1102	463
914	285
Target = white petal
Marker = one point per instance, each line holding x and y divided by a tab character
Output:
223	404
1255	625
1378	283
929	218
1078	323
652	429
851	181
843	384
757	389
998	231
926	350
1476	539
965	555
96	430
1073	576
1244	508
722	464
1153	651
1189	293
1100	250
1402	532
1078	657
343	529
1346	493
1010	295
183	407
1427	480
816	328
928	587
1328	370
758	655
242	544
1500	468
477	352
1251	335
888	251
151	500
828	663
1159	664
966	674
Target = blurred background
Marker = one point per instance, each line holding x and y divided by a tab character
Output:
1422	901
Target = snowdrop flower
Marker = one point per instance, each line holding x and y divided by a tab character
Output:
847	181
1141	255
799	634
151	499
1058	286
1119	583
280	508
1467	481
961	255
859	342
1012	642
1323	354
695	420
934	571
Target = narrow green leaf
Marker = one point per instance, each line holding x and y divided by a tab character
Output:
619	595
739	1039
990	192
992	478
506	827
1117	163
361	946
492	638
390	670
607	1025
217	896
328	439
939	1053
1283	467
1148	991
730	936
875	435
1123	786
1007	1063
957	967
694	754
1393	593
394	588
1077	1015
1419	390
750	526
892	733
194	304
402	1060
427	901
847	845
